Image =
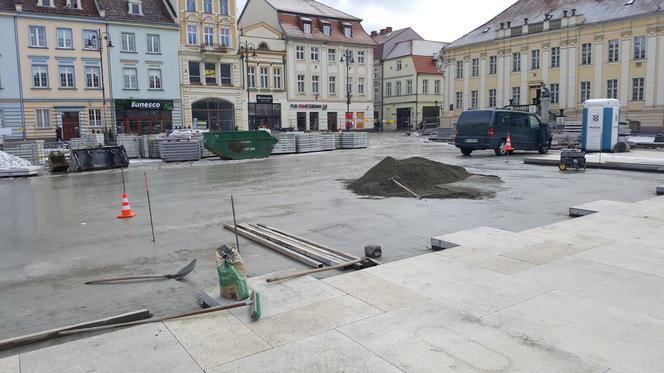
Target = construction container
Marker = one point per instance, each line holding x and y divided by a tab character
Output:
600	125
240	144
98	158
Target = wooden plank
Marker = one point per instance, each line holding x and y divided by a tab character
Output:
311	271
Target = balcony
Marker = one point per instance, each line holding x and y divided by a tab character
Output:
214	49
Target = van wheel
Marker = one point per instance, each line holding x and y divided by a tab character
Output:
466	152
544	148
501	149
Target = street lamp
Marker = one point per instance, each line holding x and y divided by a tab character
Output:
247	50
348	60
93	41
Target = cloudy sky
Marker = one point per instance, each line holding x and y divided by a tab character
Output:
440	20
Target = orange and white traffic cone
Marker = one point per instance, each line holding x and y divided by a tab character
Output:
508	143
126	210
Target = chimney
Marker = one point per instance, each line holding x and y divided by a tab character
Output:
388	29
382	31
374	33
525	21
565	13
573	12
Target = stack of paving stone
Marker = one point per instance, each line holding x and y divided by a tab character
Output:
180	150
32	151
132	144
354	140
328	141
12	166
287	143
308	142
151	145
205	153
337	140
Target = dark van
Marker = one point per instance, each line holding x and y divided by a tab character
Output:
488	129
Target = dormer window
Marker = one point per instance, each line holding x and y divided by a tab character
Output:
45	3
74	4
135	8
327	28
348	30
306	25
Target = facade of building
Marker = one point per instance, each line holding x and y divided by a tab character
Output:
412	84
385	40
145	68
211	77
11	110
316	38
579	49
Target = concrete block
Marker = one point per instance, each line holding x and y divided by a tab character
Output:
439	243
216	338
10	364
611	337
378	292
492	239
326	352
660	190
428	337
604	206
311	320
645	258
144	348
545	252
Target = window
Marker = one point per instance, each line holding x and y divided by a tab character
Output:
154	44
191	5
585	91
194	72
226	38
44	2
612	88
399	65
474	98
436	87
43	118
265	77
207	6
637	89
314	53
37	36
459	69
409	87
94	116
459	100
399	88
154	76
388	89
300	84
613	50
225	70
64	37
130	78
39	76
128	42
360	86
535	59
586	54
331	55
493	65
306	27
425	86
516	95
299	52
314	84
276	76
348	32
251	76
332	85
208	35
475	63
210	72
135	8
639	47
223	7
192	35
492	98
92	77
66	76
516	62
555	57
90	40
555	93
360	56
327	30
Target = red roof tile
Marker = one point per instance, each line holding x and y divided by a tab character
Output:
290	23
425	65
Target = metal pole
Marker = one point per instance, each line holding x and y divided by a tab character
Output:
147	191
124	190
101	75
237	240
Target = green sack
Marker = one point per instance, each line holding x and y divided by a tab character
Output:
232	281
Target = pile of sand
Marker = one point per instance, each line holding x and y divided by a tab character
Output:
423	176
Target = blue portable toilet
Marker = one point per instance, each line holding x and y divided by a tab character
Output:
599	131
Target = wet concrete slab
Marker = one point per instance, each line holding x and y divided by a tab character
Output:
643	258
10	364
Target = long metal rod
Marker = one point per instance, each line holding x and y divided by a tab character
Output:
406	188
124	190
311	271
327	248
147	191
237	240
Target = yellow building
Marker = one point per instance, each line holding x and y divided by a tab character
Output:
210	65
61	68
580	49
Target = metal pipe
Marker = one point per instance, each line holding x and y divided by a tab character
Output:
327	248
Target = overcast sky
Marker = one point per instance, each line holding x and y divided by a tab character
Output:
439	20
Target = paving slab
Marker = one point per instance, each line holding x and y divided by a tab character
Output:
10	364
485	238
144	348
311	320
643	258
374	290
327	352
487	260
545	252
609	207
458	285
216	338
659	190
428	337
621	340
623	288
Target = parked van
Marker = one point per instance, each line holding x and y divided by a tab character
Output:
488	129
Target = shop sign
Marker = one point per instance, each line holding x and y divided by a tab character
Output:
150	105
263	99
309	106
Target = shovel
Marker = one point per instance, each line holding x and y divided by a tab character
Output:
179	275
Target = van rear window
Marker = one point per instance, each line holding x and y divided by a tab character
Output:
471	118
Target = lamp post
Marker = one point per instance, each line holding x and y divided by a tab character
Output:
348	54
95	41
247	50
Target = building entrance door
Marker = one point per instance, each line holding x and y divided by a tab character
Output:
403	119
332	122
70	125
301	121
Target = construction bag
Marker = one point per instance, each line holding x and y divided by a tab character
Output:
232	274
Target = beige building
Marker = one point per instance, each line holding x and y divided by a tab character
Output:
579	49
412	84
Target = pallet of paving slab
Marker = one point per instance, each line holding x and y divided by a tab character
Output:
354	140
328	141
180	150
308	142
287	143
